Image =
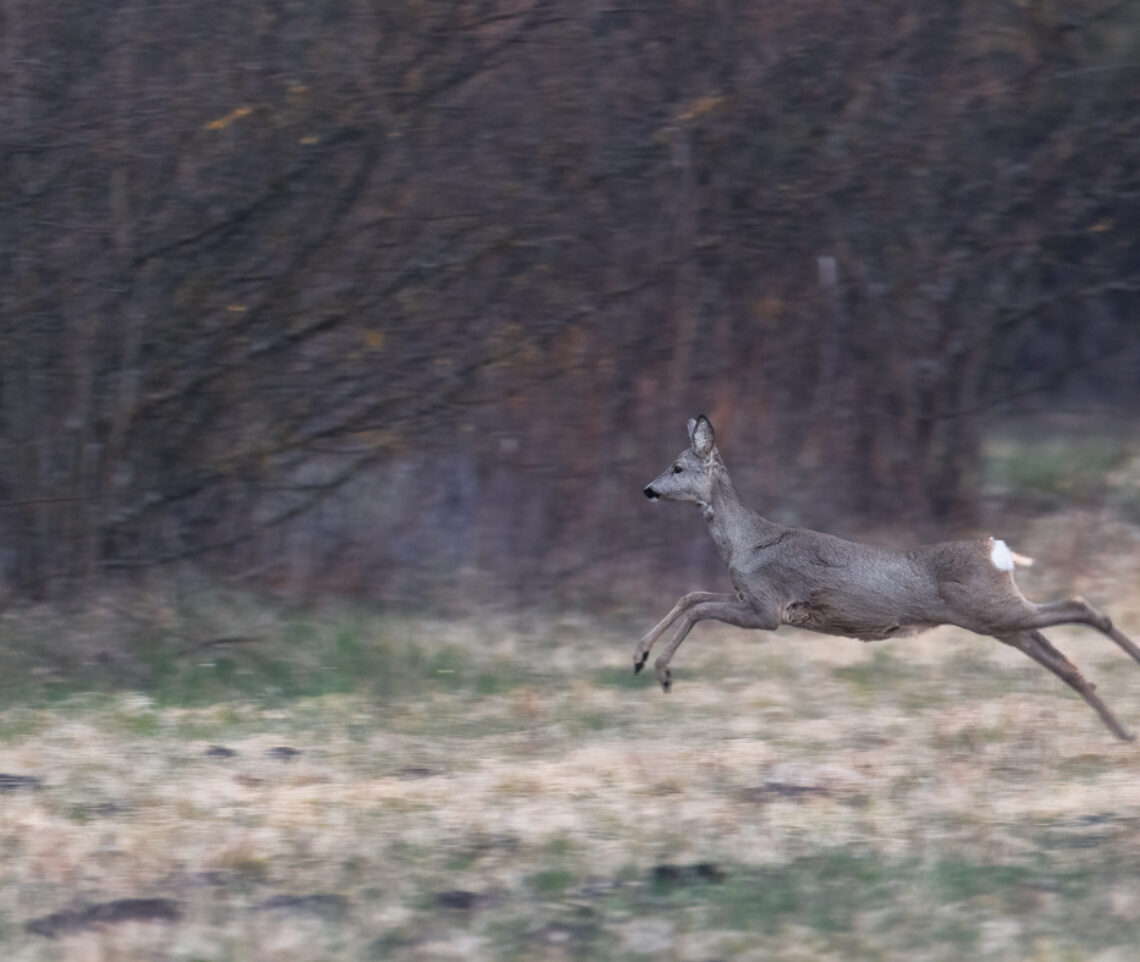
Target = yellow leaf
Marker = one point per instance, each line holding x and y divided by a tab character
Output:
223	122
698	108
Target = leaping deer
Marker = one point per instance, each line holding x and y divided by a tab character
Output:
794	576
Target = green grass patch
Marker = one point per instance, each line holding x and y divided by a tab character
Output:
622	677
305	655
823	892
875	675
944	903
1060	470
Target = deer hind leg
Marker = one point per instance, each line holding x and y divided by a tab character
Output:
641	652
1038	647
719	608
1079	611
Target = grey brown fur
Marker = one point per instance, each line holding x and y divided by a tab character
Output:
794	576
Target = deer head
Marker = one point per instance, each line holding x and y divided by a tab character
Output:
690	478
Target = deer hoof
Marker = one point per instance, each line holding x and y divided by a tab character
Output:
665	676
639	663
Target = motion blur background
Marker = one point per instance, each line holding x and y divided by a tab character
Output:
409	300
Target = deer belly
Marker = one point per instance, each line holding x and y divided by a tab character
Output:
866	625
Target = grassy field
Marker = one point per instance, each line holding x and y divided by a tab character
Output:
225	780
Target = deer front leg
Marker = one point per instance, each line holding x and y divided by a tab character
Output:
641	652
724	608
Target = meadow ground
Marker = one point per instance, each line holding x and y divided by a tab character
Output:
225	780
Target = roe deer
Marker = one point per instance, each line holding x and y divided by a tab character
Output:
794	576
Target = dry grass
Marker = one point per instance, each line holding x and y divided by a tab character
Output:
516	794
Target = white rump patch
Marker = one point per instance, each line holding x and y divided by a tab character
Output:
1001	556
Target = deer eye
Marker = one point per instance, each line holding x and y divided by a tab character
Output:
677	469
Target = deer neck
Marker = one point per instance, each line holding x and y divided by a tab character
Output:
733	525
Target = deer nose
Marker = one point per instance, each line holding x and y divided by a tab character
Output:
650	493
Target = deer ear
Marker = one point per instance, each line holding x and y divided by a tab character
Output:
692	426
701	434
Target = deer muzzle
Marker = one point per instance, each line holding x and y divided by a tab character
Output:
651	494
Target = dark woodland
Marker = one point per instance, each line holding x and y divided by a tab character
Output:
412	299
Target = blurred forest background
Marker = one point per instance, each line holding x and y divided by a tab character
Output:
412	298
